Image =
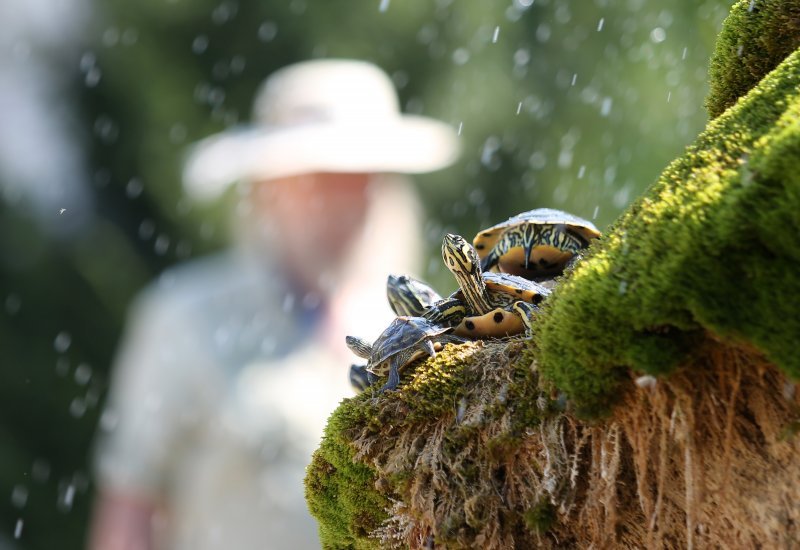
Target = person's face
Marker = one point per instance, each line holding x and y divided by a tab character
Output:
313	218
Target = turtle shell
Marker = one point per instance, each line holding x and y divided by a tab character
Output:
518	288
485	240
403	333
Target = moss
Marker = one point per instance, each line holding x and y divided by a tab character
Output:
711	247
756	37
541	517
449	429
340	491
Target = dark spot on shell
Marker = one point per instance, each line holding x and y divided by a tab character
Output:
518	290
537	298
486	234
498	317
470	325
479	247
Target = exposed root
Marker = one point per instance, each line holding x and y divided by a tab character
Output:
682	463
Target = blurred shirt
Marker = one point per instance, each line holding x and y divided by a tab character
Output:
225	379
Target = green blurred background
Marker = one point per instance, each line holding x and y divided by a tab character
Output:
573	105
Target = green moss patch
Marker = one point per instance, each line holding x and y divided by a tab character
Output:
756	37
438	460
711	247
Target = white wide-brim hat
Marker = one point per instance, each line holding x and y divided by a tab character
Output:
321	116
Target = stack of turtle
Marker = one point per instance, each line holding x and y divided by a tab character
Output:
502	277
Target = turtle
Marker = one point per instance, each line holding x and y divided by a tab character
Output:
361	378
405	340
489	298
537	244
409	296
412	297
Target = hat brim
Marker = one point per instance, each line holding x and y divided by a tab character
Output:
408	144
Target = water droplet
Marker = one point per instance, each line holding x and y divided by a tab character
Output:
238	63
600	24
62	366
110	37
161	245
40	470
67	498
683	55
537	160
574	79
267	31
623	287
19	496
200	44
147	229
596	211
130	37
18	528
13	304
519	107
77	408
62	342
92	77
460	56
496	34
83	373
134	188
88	60
177	134
605	107
460	127
106	129
581	171
658	35
384	5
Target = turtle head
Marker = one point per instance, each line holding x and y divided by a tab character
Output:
359	346
460	257
462	260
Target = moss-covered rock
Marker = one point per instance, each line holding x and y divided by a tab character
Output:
711	247
757	35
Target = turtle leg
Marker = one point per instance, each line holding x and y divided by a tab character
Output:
451	339
394	379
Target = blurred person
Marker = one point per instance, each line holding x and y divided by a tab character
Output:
231	364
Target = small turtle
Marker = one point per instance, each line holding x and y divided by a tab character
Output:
491	299
405	340
535	244
409	296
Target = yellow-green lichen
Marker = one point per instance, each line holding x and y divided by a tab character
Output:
757	35
710	247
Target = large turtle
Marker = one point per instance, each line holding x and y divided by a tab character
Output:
536	244
405	340
490	299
